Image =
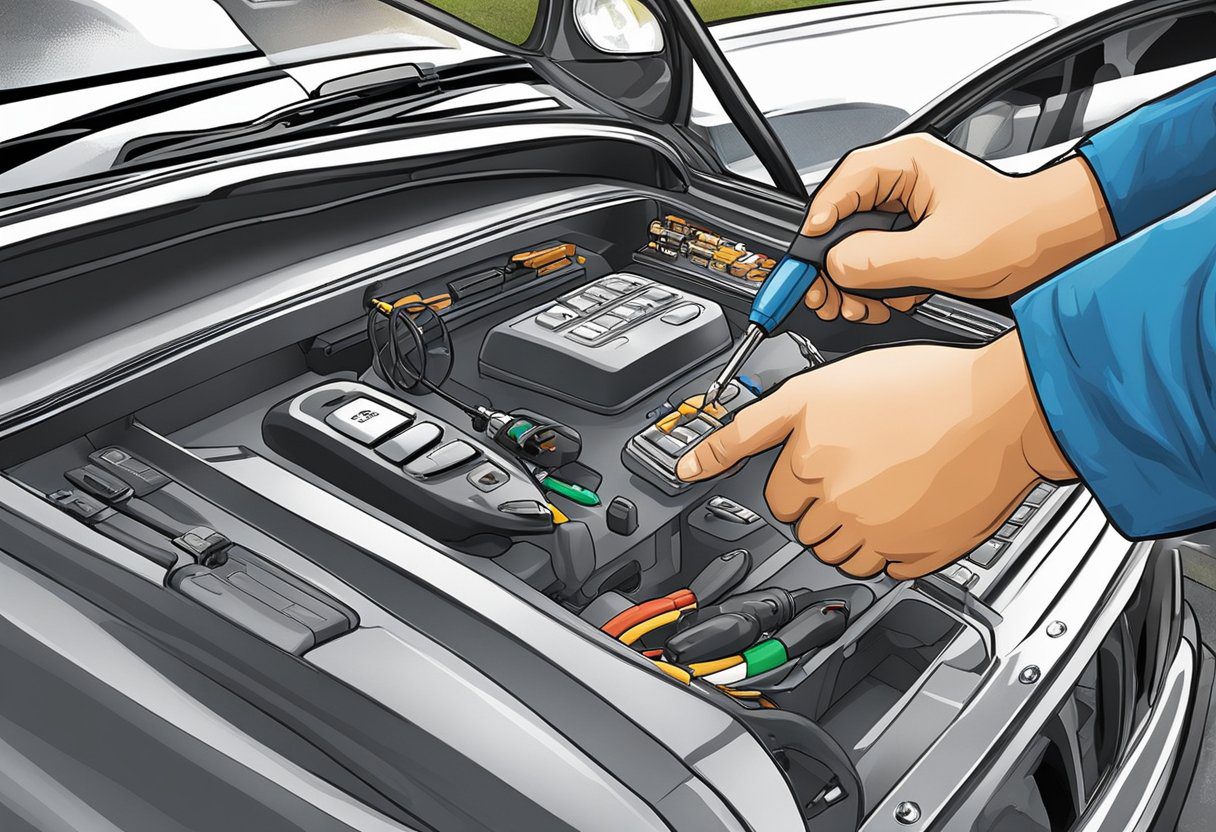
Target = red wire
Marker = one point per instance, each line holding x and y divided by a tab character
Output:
647	610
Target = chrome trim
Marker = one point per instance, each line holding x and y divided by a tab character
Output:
964	316
1004	714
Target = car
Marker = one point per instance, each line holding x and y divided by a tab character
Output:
341	385
1048	73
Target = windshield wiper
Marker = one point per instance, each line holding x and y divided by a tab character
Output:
336	101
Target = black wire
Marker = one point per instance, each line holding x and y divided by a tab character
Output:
416	377
394	348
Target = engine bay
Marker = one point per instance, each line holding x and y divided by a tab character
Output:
522	406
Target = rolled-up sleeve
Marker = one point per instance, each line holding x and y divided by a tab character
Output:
1122	351
1158	158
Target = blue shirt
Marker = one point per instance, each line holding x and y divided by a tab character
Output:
1122	345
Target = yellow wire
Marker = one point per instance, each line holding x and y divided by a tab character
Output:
677	673
706	668
638	630
741	694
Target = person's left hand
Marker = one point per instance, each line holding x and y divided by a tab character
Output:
903	458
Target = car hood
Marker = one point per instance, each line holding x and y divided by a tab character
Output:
64	129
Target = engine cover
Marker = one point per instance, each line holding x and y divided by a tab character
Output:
607	345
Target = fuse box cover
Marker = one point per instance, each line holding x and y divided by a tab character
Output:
607	345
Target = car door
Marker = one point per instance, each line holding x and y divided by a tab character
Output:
1031	110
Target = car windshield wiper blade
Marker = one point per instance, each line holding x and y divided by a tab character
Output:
335	101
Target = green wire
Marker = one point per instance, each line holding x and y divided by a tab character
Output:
572	492
764	656
519	429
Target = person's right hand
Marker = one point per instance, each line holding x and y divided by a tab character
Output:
903	458
980	233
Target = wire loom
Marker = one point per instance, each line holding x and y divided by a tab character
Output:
633	624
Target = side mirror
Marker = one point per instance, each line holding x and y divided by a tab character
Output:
619	27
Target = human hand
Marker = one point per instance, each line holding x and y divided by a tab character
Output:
980	233
903	459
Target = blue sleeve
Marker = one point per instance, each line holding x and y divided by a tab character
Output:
1122	351
1157	158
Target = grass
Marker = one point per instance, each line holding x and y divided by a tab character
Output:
714	10
512	20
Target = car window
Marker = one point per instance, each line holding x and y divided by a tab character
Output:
803	70
1082	92
56	41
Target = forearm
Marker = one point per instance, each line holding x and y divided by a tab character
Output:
1122	351
1157	159
1068	220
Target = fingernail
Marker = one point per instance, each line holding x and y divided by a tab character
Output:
821	218
814	298
688	467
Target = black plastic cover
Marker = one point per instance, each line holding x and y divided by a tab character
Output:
258	596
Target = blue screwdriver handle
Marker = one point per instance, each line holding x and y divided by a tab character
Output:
793	276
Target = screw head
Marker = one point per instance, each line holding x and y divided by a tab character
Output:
907	812
1029	675
1056	629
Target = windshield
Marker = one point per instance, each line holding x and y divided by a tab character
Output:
58	41
304	30
801	68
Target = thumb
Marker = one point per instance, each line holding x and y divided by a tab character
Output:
879	260
759	426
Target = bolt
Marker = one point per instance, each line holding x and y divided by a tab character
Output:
1056	629
907	812
1029	675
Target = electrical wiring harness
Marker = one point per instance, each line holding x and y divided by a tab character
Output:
804	625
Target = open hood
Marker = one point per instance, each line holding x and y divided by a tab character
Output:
254	73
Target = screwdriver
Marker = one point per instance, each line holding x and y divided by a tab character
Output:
790	280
